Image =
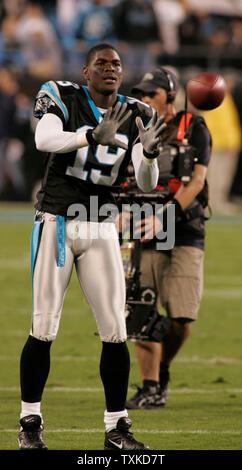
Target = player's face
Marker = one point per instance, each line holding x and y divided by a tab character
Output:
104	73
156	99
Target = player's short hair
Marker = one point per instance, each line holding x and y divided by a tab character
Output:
97	48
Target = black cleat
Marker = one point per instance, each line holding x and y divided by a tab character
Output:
121	439
30	436
147	398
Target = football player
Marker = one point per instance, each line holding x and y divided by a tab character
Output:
90	134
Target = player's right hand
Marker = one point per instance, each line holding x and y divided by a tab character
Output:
104	133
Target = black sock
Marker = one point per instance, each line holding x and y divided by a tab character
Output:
164	374
34	369
149	383
114	371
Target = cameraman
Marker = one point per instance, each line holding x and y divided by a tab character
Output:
177	274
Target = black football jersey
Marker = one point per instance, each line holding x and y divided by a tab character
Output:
71	178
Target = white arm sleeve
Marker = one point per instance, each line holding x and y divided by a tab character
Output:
50	137
146	170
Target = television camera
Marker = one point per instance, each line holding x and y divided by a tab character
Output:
143	321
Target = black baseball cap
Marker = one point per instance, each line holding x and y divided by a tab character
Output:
160	77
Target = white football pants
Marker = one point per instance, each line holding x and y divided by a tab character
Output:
94	249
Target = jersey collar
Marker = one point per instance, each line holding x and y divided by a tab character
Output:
94	108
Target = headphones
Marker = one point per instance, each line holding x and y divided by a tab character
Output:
171	94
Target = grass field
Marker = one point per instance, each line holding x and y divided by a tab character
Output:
204	409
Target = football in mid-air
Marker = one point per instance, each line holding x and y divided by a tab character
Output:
206	90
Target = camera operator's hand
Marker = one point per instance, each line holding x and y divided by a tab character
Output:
149	137
123	222
146	229
104	133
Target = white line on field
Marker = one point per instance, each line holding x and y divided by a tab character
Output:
222	293
222	279
99	389
147	431
197	359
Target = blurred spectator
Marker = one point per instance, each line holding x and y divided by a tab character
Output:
219	43
50	38
25	125
14	7
224	125
219	36
39	43
170	14
90	26
236	32
218	7
95	24
10	51
2	12
207	39
11	149
48	6
138	33
66	11
192	28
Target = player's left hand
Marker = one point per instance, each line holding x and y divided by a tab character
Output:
150	137
146	229
104	133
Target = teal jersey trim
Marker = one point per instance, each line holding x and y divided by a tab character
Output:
34	248
61	239
94	108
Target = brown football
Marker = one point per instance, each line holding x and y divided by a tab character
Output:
206	90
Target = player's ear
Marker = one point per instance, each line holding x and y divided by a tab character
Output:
85	72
